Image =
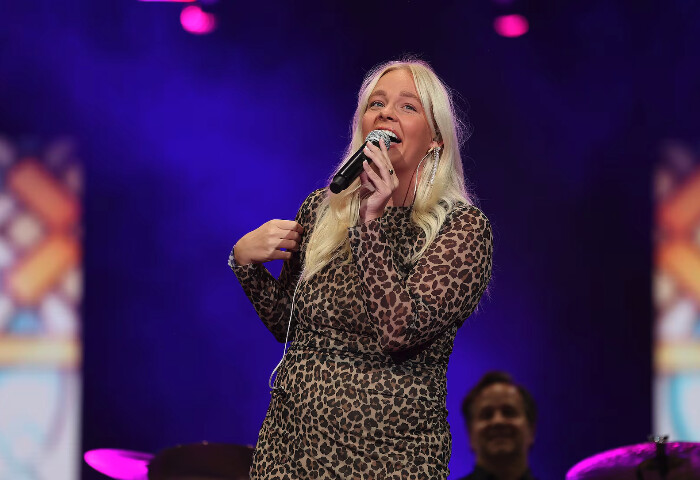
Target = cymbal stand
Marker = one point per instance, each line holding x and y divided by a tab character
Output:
660	461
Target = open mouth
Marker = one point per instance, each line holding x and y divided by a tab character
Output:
394	137
382	135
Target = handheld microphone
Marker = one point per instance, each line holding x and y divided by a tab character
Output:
352	168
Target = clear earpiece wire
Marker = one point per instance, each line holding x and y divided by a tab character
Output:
271	383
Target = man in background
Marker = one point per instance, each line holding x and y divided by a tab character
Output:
500	417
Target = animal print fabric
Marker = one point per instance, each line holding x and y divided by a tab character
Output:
361	392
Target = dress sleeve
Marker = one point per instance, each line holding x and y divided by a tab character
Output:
443	288
272	297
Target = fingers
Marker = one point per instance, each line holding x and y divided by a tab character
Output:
277	239
273	240
280	255
290	235
287	225
380	157
372	176
286	244
379	154
382	182
366	186
286	235
287	229
392	179
364	181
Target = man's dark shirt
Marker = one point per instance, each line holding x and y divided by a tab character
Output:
480	474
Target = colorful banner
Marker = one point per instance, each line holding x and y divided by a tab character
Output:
40	295
676	290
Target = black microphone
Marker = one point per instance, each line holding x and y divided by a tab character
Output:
353	167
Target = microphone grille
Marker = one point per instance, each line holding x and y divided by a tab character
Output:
376	136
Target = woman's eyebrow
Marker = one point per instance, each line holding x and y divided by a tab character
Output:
402	93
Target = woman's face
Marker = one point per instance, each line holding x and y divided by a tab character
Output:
395	105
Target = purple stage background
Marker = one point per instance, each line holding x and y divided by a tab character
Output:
191	141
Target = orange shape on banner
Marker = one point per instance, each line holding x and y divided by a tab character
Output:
682	261
35	274
682	211
45	196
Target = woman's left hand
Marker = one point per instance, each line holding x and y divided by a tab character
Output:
377	186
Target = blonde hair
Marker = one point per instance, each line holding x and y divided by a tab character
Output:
432	203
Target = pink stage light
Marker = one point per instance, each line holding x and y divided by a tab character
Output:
120	464
511	25
197	21
172	1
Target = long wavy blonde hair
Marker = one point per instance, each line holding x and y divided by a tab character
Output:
432	203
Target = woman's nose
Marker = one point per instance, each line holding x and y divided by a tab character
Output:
387	112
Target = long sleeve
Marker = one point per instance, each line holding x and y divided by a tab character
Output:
272	298
443	287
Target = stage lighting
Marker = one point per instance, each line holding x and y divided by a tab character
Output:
511	25
197	21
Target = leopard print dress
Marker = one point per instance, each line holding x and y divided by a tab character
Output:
361	391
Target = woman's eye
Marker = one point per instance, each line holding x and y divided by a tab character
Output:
376	103
410	107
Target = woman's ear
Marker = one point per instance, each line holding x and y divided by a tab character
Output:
435	144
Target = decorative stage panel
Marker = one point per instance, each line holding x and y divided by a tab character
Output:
676	289
40	296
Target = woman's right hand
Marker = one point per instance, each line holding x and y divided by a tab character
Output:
273	240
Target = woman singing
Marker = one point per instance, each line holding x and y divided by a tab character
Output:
376	282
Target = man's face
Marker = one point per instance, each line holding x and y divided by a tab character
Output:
499	427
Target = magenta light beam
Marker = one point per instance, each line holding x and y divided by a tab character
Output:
511	26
